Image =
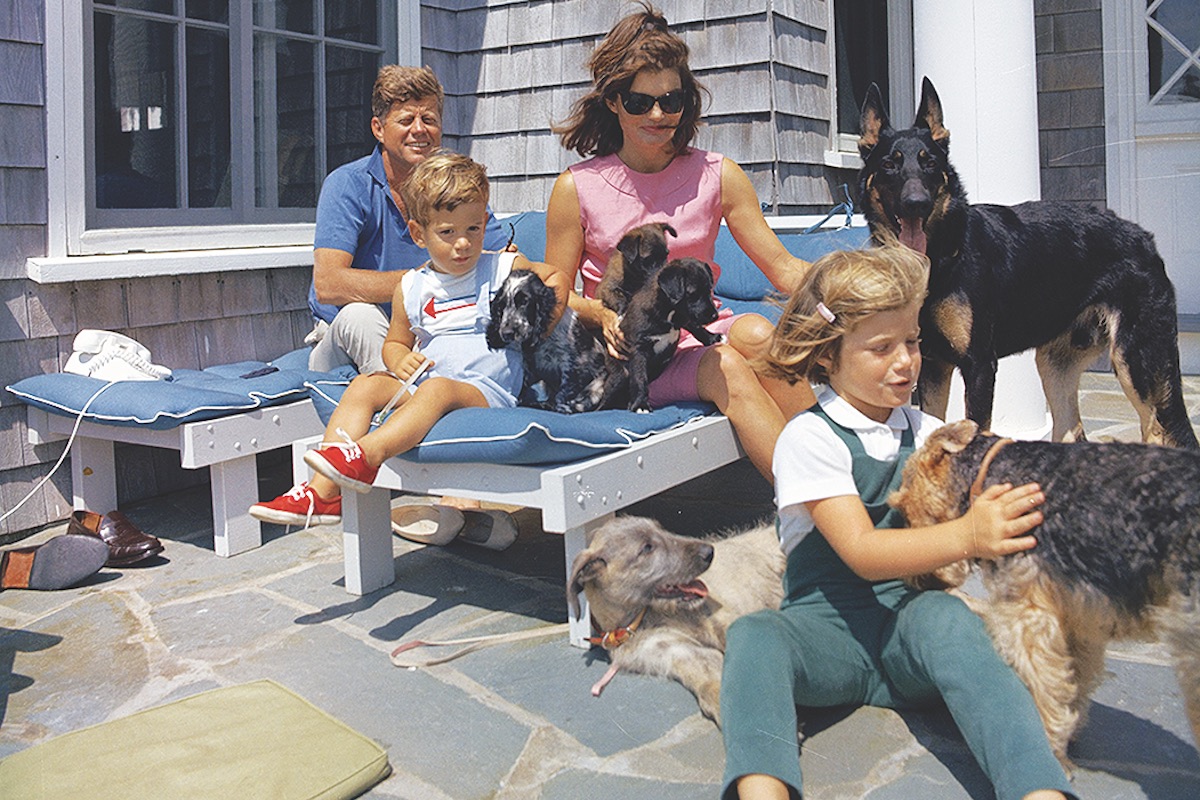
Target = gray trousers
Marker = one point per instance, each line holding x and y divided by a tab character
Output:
354	337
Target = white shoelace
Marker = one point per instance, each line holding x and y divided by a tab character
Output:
349	446
301	492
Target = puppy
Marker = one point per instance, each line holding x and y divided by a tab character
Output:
679	297
1118	556
665	601
571	363
640	254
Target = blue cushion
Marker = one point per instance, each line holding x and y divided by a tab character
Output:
189	396
741	280
529	233
526	435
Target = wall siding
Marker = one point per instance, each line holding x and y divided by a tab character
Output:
512	68
1070	80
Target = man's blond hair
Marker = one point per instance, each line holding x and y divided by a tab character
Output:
397	84
443	181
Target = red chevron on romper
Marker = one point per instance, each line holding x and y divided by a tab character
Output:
433	309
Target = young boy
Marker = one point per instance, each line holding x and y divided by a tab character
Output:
440	314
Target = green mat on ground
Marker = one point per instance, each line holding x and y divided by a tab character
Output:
257	740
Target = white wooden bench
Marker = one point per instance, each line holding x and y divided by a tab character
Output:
226	445
574	498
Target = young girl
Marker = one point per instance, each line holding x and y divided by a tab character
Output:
850	631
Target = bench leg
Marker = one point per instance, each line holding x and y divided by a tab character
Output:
93	475
367	540
574	542
234	490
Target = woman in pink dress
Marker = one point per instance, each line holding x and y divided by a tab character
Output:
637	123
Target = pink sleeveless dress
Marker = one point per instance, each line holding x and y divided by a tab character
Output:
687	194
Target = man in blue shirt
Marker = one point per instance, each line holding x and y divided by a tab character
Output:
362	245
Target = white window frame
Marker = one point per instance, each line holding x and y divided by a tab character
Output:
67	233
843	145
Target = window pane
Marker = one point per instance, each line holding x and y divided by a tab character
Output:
1182	21
161	6
135	113
355	20
861	33
285	119
349	78
211	10
208	119
286	15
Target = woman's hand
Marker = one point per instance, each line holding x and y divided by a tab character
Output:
610	324
1001	516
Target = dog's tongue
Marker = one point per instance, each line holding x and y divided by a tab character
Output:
912	233
695	588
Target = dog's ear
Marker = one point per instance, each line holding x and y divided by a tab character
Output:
672	284
585	570
872	121
929	114
954	437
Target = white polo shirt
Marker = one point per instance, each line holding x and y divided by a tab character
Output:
812	463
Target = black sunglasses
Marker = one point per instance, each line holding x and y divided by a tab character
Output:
637	103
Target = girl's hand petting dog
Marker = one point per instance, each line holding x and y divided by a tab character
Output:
1001	516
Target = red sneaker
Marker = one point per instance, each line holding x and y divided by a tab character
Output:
344	464
300	505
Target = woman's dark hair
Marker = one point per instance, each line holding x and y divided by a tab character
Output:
638	41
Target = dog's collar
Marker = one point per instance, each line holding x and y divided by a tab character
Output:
977	486
613	639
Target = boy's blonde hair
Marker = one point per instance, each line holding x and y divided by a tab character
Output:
443	181
849	285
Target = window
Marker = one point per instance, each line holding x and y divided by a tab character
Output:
872	43
1173	50
172	80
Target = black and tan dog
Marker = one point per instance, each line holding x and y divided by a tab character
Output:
678	297
1118	556
1071	282
571	363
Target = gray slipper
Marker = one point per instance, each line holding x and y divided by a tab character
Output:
59	563
427	524
488	527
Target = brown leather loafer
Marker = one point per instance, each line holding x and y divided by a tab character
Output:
127	544
59	563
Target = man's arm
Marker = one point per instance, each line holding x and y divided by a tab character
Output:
337	283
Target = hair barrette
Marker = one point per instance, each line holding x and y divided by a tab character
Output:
824	311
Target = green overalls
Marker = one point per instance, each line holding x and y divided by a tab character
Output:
842	640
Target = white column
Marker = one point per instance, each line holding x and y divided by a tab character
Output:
980	56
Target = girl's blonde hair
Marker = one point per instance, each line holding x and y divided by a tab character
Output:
839	291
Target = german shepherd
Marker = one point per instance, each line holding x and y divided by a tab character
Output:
1071	282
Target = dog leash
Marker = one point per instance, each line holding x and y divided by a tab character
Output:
977	486
472	643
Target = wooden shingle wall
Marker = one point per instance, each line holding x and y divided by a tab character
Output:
1070	80
512	68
